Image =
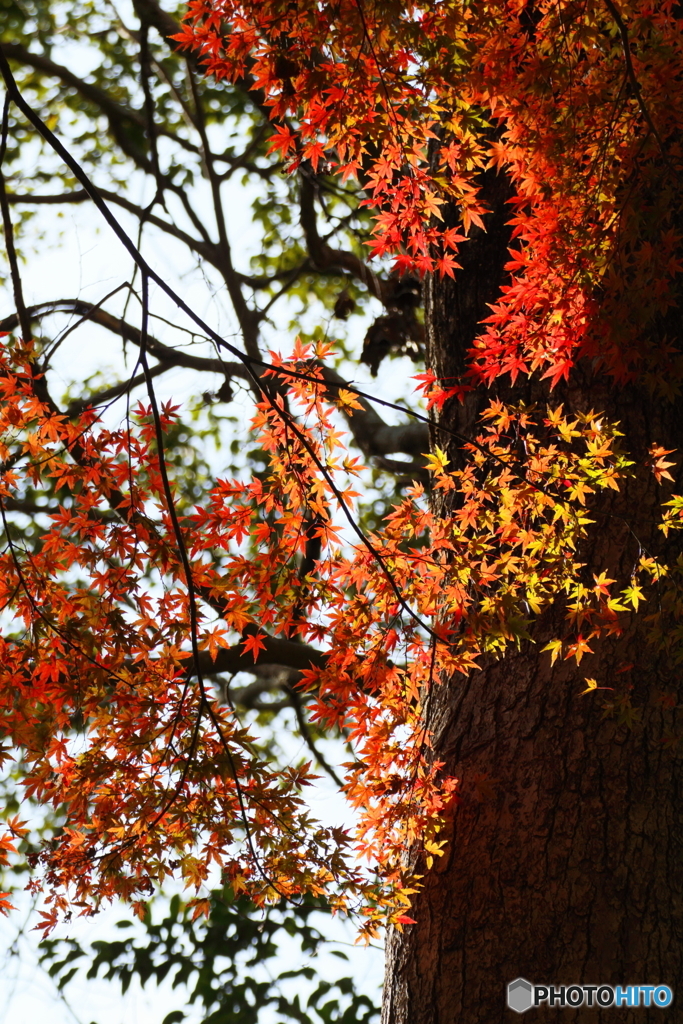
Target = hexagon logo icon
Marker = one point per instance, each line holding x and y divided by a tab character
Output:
520	996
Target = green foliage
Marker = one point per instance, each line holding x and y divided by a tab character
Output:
224	962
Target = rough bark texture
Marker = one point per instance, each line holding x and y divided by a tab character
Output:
567	867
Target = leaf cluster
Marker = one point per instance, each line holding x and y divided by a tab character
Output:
223	961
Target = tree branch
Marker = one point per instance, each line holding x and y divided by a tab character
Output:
165	24
76	407
206	249
115	112
323	256
372	435
249	319
8	232
274	677
277	651
76	196
375	437
632	77
164	353
408	471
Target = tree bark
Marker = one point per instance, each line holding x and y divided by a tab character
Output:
566	864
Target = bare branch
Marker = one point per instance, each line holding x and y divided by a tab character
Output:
131	34
275	677
165	24
206	249
244	159
31	508
407	470
220	255
267	678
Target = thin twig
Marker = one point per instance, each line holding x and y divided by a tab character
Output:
296	703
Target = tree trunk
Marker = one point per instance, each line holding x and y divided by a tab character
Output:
565	865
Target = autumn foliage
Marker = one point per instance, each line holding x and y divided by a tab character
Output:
578	103
112	620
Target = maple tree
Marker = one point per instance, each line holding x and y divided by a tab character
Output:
525	159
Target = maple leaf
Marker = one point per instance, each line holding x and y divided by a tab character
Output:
5	905
593	686
634	595
254	643
283	141
6	846
214	639
346	400
658	463
446	265
577	649
436	461
199	908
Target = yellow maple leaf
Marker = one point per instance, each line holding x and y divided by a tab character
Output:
437	462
